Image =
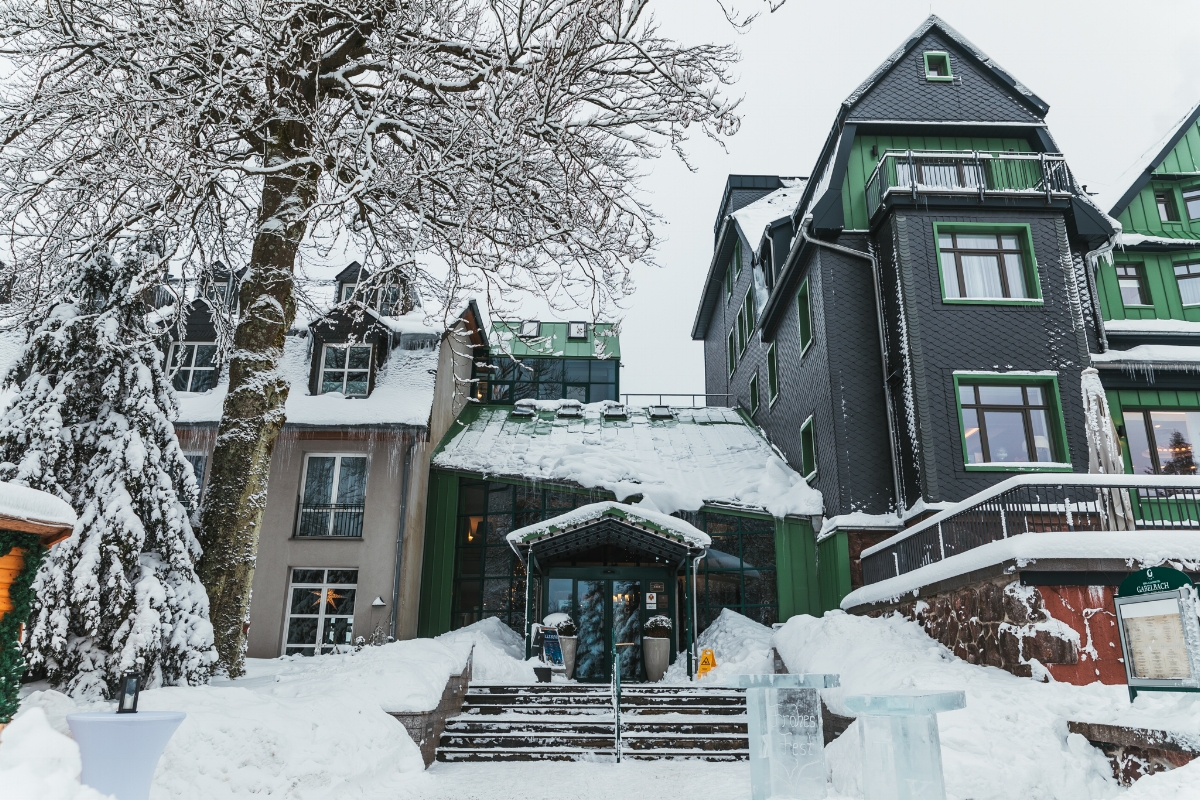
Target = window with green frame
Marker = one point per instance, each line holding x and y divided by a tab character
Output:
937	65
772	374
753	394
738	571
991	263
489	581
733	268
804	308
1011	422
808	449
588	380
745	321
732	351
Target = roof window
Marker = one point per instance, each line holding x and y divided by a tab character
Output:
576	330
616	411
661	412
570	409
531	328
521	412
937	66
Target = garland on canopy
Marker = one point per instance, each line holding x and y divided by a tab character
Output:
20	594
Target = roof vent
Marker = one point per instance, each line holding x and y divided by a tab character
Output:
616	411
661	412
522	412
570	408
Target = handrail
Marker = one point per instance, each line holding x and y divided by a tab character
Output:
616	700
967	172
336	519
1039	503
661	395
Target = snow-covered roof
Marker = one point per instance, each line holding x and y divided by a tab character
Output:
654	521
756	217
403	392
1145	166
1150	357
1170	326
35	507
700	456
1134	239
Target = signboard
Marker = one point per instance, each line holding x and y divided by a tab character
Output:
551	647
658	586
708	661
1160	633
651	600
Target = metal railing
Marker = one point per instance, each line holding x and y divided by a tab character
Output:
946	172
1032	504
653	399
616	693
334	519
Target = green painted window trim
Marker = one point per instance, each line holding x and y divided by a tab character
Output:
772	376
753	394
948	77
804	312
1024	234
737	259
808	449
1058	427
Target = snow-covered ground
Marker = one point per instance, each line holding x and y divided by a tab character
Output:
316	728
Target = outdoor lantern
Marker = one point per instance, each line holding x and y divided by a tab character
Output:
127	702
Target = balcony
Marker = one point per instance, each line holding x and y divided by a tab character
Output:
969	173
337	519
1033	504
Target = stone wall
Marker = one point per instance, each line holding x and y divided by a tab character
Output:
425	727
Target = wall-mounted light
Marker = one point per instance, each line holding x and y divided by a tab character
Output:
128	699
378	602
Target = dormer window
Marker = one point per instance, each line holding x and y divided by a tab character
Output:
347	291
576	330
346	368
661	412
193	366
530	328
937	66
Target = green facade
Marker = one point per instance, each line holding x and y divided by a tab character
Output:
552	341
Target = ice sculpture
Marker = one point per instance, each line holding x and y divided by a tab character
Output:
787	757
898	738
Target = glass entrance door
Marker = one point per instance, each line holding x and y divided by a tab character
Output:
608	611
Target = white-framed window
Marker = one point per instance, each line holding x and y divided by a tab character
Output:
320	611
333	495
346	368
193	366
347	291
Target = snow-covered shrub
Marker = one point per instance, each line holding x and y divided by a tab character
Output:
657	627
567	627
91	423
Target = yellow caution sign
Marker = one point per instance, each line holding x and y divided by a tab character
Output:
707	662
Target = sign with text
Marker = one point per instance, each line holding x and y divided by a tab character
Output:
551	647
651	600
1160	632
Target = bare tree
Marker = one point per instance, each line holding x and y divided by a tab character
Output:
499	140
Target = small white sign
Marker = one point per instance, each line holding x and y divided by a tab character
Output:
651	601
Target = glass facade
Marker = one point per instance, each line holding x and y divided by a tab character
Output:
584	379
739	570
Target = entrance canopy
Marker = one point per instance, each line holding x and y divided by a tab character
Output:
654	534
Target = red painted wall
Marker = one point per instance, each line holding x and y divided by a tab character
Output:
1090	611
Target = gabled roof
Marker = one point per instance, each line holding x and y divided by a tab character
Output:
1035	103
654	522
1143	177
351	273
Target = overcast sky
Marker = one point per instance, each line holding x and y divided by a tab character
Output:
1117	77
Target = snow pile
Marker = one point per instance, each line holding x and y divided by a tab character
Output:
1168	326
499	655
293	727
37	761
12	344
1149	356
754	218
1012	727
700	455
740	645
402	394
31	505
673	526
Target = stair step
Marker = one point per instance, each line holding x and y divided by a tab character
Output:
681	743
531	754
510	741
653	755
459	725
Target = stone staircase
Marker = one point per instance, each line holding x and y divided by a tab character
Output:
577	722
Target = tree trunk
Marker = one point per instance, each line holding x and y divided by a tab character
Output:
254	407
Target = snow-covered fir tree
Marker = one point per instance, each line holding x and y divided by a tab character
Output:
91	423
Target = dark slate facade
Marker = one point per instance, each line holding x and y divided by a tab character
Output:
839	380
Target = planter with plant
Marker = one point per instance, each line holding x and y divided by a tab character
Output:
656	646
567	640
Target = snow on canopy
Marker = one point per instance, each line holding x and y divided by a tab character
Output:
754	218
402	393
1151	356
699	456
656	521
32	505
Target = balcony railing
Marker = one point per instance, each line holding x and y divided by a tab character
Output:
944	172
1033	504
677	400
335	519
